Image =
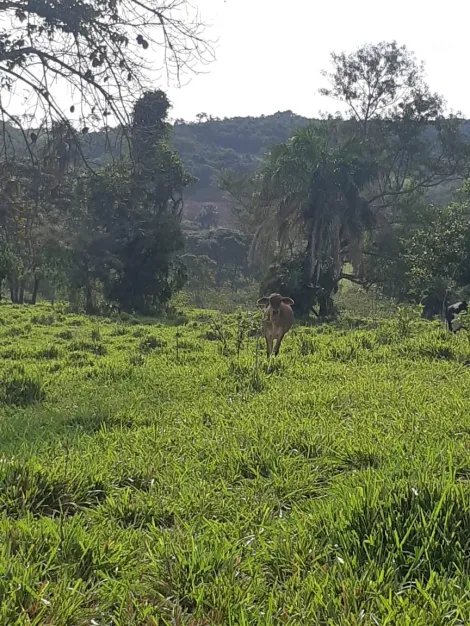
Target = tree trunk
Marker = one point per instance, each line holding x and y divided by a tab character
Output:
34	297
21	294
14	289
324	307
327	305
89	307
199	300
310	261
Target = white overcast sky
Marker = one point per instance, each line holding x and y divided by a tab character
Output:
270	53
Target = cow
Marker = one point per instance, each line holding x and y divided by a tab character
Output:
452	313
278	318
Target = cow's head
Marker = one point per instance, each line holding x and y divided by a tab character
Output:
274	302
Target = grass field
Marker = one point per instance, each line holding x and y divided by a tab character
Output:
164	473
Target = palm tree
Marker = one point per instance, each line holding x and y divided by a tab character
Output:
311	199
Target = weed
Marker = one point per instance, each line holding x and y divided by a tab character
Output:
21	390
307	345
15	331
151	343
86	346
42	320
137	359
119	331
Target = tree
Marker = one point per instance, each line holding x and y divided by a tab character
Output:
427	260
379	82
437	253
208	217
34	202
228	249
126	233
287	277
97	49
310	203
401	122
242	188
201	275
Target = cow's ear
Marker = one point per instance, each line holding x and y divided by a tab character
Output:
288	301
262	302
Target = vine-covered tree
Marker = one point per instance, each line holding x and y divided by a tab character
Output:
128	229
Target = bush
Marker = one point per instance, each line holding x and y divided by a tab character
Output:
288	278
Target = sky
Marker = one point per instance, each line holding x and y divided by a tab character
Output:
269	54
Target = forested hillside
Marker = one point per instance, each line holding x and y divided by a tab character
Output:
209	146
212	145
239	143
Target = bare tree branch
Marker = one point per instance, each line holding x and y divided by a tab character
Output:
102	51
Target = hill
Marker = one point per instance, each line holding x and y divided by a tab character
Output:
165	474
239	143
209	146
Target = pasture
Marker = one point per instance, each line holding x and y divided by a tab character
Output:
162	472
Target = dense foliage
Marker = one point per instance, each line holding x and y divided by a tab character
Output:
424	257
107	235
323	200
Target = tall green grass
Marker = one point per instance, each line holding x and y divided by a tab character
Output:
162	472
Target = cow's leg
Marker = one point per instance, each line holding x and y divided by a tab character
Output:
278	344
449	320
269	344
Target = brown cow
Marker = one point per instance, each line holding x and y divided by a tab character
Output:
278	318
